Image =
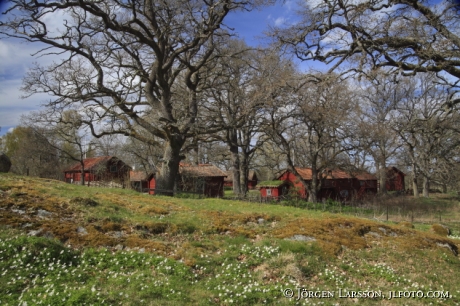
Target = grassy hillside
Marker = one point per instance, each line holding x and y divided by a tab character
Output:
63	244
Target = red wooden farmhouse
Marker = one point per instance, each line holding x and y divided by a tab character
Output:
336	184
96	169
203	179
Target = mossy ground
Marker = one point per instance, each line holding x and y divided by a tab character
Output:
230	252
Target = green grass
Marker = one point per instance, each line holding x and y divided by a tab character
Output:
151	250
251	193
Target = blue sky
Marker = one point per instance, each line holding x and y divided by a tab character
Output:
15	59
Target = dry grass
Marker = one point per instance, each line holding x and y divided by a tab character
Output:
342	250
120	217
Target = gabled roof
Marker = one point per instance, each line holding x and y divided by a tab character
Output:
394	169
306	174
201	170
137	176
365	176
90	163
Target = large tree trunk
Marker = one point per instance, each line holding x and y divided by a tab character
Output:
426	186
196	152
415	186
313	189
414	173
235	169
444	187
170	166
82	173
232	142
382	178
244	174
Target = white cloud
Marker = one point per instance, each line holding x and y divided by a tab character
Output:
12	106
279	21
16	59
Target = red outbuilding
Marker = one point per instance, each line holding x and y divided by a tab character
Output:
203	179
273	189
395	179
336	184
367	183
98	169
142	181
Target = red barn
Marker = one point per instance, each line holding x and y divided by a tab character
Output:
273	189
204	179
97	169
395	179
252	179
142	181
335	184
367	182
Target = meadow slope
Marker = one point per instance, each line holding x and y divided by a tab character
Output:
64	244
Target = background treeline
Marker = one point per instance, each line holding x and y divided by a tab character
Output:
160	82
263	115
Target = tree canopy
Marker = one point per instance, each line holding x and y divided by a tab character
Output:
407	36
125	64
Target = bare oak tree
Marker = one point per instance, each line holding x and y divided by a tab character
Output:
428	132
408	36
309	123
123	58
233	105
379	95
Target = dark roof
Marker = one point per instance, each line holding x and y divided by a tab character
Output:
90	163
137	176
202	170
365	176
394	169
306	174
276	183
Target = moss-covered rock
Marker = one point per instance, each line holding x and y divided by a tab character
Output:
440	229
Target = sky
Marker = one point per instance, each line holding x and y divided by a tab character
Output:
16	58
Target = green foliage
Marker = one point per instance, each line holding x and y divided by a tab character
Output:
188	195
294	247
186	228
